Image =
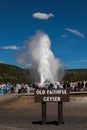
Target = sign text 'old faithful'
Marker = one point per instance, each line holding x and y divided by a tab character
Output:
51	95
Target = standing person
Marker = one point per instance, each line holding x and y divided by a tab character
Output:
46	85
28	89
0	87
19	88
55	86
8	88
16	87
58	85
3	88
64	85
86	86
51	85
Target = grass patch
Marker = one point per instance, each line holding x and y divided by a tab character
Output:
78	95
21	102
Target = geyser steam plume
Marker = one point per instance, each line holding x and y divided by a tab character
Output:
38	51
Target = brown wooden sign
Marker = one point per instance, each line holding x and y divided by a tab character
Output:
51	95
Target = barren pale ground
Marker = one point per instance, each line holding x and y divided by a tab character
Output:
19	112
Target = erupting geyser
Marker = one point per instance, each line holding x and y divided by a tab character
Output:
38	49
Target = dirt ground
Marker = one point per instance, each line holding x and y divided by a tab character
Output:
18	113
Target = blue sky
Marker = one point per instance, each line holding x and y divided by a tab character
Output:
64	21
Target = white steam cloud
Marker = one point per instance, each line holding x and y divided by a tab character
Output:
38	51
42	16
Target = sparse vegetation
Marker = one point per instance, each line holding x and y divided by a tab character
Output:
14	74
75	75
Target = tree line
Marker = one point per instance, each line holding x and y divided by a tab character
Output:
14	74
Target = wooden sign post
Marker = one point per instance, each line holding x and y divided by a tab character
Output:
52	95
60	113
44	112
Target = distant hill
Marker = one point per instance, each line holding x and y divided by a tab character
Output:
14	74
75	75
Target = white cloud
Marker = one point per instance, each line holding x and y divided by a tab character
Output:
77	64
28	65
79	61
76	32
63	36
10	47
1	62
42	16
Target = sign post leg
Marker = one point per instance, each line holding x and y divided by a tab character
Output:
43	112
60	113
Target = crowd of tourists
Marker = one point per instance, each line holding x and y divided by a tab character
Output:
17	88
29	88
